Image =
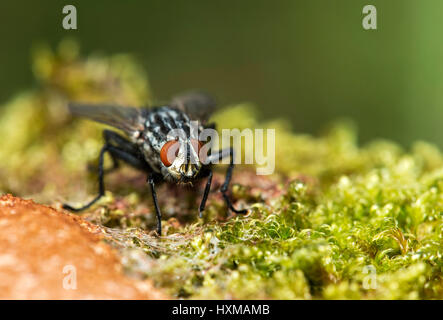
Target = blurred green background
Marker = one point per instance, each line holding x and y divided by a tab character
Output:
308	61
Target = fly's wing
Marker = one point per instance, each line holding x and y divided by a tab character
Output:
196	104
127	119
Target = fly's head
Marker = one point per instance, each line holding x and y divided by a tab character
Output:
181	159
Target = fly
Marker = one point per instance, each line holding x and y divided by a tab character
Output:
149	146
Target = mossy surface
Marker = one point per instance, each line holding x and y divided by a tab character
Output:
336	220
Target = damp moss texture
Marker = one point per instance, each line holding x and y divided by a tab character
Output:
336	220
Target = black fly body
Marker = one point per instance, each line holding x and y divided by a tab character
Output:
150	147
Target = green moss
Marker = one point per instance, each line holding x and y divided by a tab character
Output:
340	216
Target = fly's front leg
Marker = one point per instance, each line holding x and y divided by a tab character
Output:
113	138
224	189
119	149
156	206
205	194
101	186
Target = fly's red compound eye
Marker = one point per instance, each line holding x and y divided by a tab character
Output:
169	152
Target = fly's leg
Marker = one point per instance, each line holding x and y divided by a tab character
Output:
205	194
113	138
156	206
224	189
101	186
208	173
115	166
124	152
